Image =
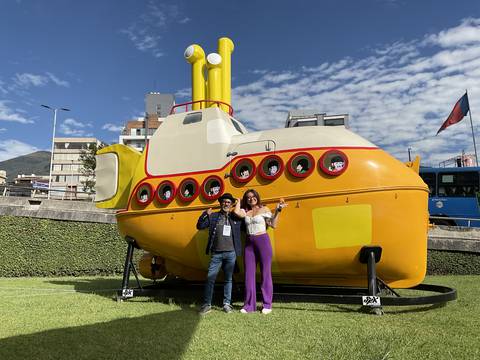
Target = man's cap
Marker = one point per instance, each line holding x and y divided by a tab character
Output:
226	196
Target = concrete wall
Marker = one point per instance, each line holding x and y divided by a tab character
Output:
454	239
84	211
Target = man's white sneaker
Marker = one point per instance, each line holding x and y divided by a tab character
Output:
266	311
243	311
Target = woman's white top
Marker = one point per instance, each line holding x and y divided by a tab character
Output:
257	224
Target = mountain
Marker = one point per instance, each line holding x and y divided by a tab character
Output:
37	163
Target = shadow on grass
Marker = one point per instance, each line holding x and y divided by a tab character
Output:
159	336
181	293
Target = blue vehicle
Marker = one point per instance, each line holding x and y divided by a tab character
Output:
453	194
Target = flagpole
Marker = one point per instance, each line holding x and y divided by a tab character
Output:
471	124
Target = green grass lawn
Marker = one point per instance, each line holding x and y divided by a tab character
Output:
77	318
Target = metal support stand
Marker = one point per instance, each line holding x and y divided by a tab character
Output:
126	292
371	255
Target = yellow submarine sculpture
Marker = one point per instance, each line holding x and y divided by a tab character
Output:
343	191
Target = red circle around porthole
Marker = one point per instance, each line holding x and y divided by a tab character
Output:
244	170
144	194
165	192
301	164
188	190
271	167
333	162
212	187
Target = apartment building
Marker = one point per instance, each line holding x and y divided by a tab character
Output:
3	177
66	171
157	107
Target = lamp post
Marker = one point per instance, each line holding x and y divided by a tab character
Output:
53	142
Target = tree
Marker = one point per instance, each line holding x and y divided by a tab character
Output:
89	163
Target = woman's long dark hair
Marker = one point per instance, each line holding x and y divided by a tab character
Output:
244	203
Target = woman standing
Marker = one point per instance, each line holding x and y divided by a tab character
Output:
257	248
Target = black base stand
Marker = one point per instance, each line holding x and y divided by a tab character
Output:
126	292
370	255
372	298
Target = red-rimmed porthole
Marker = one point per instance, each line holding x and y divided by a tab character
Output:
188	190
165	192
144	194
244	170
301	164
271	167
333	162
212	187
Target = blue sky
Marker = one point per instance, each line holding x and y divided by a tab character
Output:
397	67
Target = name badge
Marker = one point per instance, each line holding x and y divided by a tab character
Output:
227	229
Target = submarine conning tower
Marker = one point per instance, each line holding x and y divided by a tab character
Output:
211	76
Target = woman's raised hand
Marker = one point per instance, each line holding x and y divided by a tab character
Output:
281	204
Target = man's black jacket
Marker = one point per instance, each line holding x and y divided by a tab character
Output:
205	221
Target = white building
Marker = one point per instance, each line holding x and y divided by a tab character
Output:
157	107
66	174
3	176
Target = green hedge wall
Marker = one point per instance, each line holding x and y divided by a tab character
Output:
43	247
452	263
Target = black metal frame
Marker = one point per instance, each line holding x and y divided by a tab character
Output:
369	255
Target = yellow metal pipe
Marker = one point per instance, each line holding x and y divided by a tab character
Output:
195	55
214	62
225	49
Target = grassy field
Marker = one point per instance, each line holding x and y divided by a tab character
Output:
76	318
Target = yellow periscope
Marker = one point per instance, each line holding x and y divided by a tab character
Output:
343	192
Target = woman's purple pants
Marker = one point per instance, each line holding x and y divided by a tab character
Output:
258	249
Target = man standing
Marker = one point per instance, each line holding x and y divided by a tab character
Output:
224	245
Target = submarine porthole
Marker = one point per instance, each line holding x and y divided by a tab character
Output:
165	192
333	162
271	167
244	170
144	194
188	190
212	187
301	164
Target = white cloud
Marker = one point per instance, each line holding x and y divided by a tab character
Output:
468	32
146	32
72	127
12	148
2	130
185	93
27	80
8	114
112	127
397	97
58	81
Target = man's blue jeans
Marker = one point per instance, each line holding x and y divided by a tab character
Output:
225	260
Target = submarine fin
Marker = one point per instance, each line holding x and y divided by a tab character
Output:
115	167
415	164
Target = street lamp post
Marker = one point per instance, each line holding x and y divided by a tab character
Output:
53	142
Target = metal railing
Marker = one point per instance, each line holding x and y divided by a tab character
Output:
206	102
454	219
56	194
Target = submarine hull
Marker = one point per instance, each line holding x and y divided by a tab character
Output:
319	235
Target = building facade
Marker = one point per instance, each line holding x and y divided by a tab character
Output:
66	171
3	177
135	132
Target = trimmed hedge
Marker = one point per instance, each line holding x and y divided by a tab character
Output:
44	247
441	262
